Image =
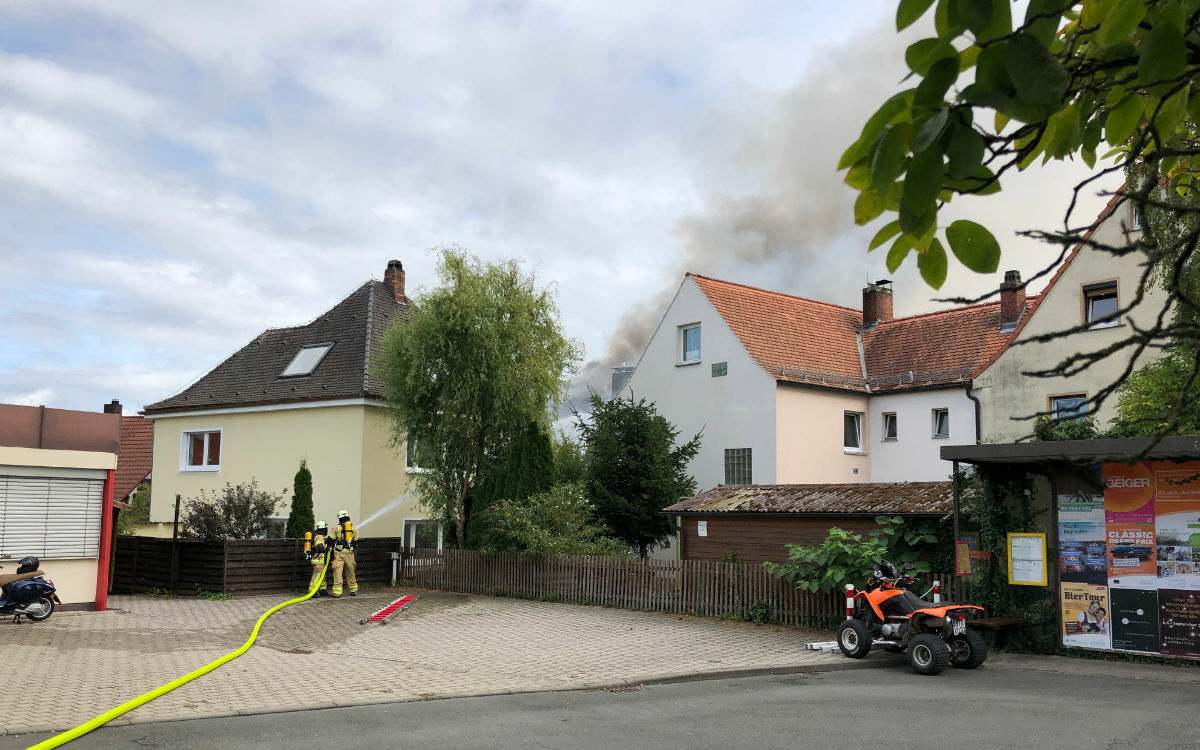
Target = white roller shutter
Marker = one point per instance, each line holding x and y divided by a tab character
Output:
51	517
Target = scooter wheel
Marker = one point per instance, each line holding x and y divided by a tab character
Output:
854	639
40	610
928	654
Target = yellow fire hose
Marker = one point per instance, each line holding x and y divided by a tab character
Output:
127	706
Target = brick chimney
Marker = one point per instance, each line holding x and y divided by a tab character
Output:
1012	298
393	279
113	408
877	303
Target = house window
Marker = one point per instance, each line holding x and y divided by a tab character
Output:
1068	408
201	451
852	429
889	426
306	360
1100	305
50	517
689	343
423	534
738	466
1135	217
941	423
414	451
720	369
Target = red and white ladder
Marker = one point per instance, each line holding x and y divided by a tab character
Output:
385	614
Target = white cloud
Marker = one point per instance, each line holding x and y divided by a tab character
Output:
40	397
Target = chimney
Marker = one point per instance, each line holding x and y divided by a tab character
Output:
113	408
393	279
1012	298
877	303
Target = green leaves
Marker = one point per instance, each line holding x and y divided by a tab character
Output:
887	163
942	75
909	11
1122	120
965	152
1163	54
1039	78
932	264
921	187
1121	22
921	55
889	230
974	246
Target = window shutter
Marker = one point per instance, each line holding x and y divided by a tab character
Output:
50	517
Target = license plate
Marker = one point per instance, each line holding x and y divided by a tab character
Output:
959	627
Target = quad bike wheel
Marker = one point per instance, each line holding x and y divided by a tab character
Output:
928	654
854	639
968	650
41	609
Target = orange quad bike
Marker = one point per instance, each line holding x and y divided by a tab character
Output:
889	616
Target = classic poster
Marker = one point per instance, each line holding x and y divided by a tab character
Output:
1129	525
1179	622
1134	620
1177	524
1085	615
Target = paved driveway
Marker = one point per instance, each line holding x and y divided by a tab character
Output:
316	655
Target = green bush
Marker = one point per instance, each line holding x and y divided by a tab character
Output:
555	522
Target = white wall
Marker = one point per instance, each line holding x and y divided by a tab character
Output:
1006	393
915	454
735	411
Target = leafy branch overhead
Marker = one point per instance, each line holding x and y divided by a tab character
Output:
1101	79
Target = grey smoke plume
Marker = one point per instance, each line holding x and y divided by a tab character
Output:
774	205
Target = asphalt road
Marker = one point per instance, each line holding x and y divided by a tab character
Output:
997	706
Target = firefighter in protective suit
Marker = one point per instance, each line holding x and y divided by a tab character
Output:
344	541
321	548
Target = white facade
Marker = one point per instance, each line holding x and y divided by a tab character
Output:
735	410
915	453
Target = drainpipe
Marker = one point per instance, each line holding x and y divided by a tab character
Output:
971	387
106	512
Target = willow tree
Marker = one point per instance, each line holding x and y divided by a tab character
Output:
480	357
1108	82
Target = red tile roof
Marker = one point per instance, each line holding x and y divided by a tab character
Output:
133	462
805	341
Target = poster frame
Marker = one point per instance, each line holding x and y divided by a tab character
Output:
1022	535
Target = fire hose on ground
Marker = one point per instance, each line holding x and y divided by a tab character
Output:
127	706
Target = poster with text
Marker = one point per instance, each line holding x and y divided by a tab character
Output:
1133	616
1082	554
1129	524
1177	524
1085	615
1179	622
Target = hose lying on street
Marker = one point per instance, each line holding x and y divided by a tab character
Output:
127	706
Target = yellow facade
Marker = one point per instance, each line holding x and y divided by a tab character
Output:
347	447
809	436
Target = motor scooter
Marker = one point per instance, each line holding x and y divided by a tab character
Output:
27	592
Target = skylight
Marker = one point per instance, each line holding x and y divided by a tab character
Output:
306	360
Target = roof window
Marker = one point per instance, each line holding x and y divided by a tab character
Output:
306	360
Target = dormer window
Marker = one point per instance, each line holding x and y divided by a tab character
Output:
306	360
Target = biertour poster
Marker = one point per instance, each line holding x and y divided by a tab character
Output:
1129	557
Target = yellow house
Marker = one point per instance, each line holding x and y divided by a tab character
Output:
292	393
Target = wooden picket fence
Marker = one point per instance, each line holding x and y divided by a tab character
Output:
699	587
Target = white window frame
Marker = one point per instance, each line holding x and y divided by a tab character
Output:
895	427
683	360
933	414
858	420
1100	288
414	467
404	527
184	453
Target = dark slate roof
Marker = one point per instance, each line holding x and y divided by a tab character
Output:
827	499
250	377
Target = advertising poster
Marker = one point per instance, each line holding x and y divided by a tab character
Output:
1085	615
1129	525
1133	616
1179	622
1177	524
1082	536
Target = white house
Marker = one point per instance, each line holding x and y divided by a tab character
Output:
774	380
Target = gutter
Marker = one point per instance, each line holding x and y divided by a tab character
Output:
978	406
862	361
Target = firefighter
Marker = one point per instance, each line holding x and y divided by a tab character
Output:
343	563
321	541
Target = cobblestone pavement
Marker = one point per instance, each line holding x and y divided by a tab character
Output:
316	655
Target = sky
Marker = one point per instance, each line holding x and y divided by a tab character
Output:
177	177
